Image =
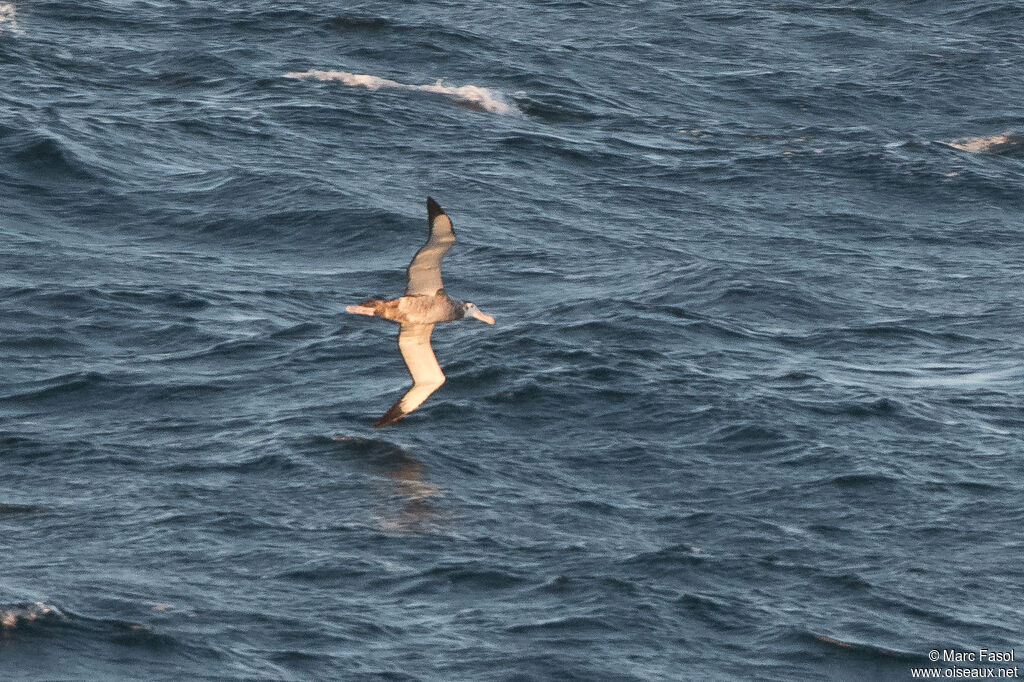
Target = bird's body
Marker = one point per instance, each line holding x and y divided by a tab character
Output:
416	309
424	304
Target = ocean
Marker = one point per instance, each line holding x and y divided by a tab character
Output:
752	408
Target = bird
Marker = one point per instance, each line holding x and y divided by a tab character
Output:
424	304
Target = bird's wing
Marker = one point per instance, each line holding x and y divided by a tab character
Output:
427	377
423	276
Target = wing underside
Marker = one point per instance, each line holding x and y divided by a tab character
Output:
423	276
427	377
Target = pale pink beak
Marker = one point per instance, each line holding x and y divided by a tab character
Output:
482	316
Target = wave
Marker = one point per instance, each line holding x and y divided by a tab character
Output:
19	508
9	18
12	616
576	626
57	387
43	156
37	619
994	144
864	647
474	96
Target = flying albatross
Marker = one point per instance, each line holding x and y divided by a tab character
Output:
424	304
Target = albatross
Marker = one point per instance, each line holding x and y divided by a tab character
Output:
423	305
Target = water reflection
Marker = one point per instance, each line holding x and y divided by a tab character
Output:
406	502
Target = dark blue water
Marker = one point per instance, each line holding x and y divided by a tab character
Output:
752	409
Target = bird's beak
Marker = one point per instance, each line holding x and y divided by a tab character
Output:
482	316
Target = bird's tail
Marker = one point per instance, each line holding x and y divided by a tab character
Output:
371	306
361	310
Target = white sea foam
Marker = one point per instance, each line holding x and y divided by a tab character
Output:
482	98
984	143
8	18
11	616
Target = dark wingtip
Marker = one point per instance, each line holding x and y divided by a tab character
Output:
433	210
390	417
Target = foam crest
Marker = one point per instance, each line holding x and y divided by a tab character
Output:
986	143
11	616
475	96
8	18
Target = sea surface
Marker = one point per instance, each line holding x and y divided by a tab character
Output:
752	409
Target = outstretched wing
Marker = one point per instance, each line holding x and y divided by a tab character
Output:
427	377
423	276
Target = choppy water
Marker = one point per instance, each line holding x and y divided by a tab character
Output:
752	408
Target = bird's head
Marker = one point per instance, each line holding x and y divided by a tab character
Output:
470	310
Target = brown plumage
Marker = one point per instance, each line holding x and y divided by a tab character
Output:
424	304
